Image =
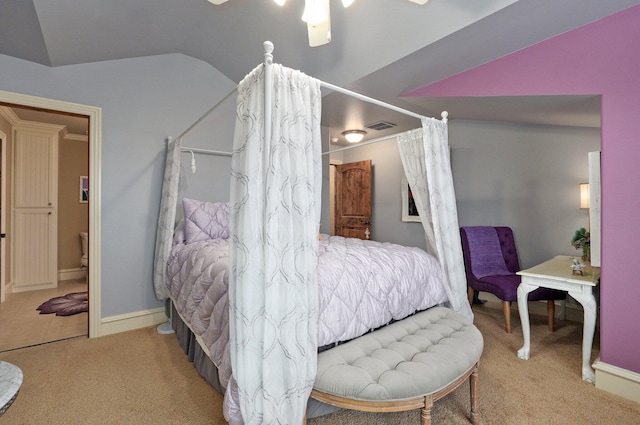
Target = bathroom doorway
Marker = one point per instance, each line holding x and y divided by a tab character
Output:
22	324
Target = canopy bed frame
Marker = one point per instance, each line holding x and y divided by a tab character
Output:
273	249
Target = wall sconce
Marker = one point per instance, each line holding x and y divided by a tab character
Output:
584	196
193	162
354	136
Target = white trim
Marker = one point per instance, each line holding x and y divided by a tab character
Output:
4	257
131	321
95	151
9	115
617	380
76	137
72	274
43	126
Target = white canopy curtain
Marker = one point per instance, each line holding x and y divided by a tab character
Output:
166	221
275	210
425	157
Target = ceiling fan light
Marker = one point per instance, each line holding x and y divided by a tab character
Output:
314	12
347	3
354	136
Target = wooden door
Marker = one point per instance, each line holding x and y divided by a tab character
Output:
35	196
353	200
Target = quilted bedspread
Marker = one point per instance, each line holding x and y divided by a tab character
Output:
362	285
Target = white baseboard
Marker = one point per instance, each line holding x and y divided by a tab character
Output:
131	321
15	289
616	380
72	274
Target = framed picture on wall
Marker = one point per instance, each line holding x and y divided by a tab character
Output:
84	189
409	210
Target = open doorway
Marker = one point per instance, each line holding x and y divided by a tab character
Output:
92	140
45	214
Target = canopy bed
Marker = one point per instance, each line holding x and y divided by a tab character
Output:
259	260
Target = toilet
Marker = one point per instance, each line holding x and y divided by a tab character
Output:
84	260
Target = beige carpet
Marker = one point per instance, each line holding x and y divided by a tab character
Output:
141	377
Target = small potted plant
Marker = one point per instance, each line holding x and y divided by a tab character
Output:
582	240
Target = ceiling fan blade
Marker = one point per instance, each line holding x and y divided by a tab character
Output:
415	1
217	2
320	34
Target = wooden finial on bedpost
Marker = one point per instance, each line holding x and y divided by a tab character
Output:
268	50
445	116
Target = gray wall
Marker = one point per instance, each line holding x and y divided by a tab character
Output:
143	101
525	177
521	176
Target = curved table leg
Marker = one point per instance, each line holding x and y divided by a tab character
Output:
589	306
523	309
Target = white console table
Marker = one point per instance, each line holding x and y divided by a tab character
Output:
558	274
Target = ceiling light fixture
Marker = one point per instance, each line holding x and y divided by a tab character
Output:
314	12
317	16
354	136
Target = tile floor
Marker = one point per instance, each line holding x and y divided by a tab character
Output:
21	325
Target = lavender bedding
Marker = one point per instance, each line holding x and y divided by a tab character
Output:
362	285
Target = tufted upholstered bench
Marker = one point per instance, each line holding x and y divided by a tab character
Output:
407	365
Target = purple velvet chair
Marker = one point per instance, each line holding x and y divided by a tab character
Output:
505	285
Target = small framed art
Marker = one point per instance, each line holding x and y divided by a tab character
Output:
84	189
409	210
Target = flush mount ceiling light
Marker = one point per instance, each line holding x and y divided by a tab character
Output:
318	18
354	136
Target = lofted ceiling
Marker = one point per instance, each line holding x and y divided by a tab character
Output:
381	48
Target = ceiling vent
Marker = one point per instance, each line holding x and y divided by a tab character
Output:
380	125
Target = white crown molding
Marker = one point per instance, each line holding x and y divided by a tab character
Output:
8	114
76	137
40	126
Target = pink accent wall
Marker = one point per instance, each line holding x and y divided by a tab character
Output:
599	58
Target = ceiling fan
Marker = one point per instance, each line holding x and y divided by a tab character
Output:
318	18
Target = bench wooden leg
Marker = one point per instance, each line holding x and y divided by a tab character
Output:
425	412
473	387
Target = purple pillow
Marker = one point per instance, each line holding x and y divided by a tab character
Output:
205	220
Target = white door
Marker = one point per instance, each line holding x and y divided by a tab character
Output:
35	197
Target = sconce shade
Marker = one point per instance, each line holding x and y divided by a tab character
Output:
584	196
354	136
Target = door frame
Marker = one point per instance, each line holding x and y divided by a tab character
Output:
95	142
332	194
3	215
